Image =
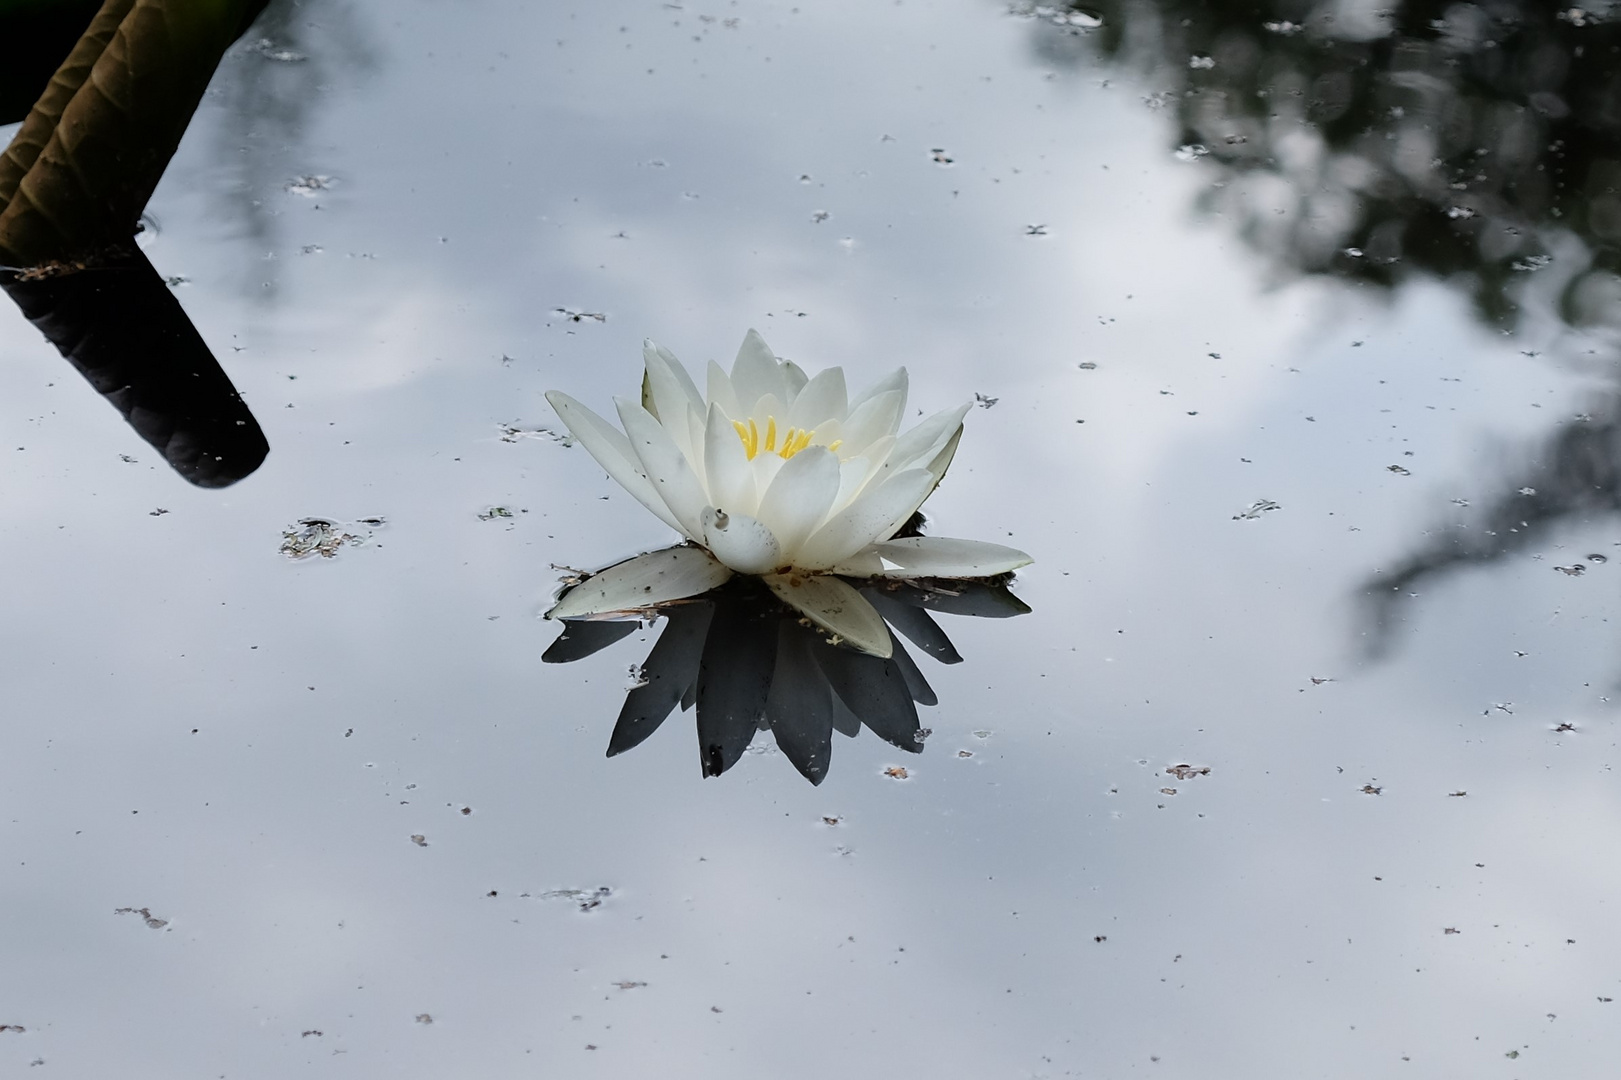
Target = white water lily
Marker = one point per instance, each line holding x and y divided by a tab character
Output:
777	474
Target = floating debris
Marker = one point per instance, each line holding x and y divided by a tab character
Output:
940	157
495	512
1398	470
629	984
586	899
146	915
1369	789
897	772
1256	509
319	536
1187	772
1192	151
268	49
419	840
511	433
985	402
424	1018
1035	230
308	186
1067	18
580	316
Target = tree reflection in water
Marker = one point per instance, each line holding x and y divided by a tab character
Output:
1476	143
745	662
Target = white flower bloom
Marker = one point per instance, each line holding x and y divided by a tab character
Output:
781	475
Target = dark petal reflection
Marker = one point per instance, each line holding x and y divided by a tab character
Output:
124	331
582	637
670	670
976	598
915	624
749	663
876	691
799	708
734	679
916	684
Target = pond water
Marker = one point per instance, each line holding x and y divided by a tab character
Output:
1301	764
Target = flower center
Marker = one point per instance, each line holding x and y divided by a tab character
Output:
793	440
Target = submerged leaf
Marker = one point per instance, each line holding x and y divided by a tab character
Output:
124	331
109	146
46	112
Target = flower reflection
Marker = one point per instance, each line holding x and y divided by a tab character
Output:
746	662
780	475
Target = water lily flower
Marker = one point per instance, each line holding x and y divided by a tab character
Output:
774	473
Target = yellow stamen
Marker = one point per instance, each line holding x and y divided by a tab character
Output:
793	439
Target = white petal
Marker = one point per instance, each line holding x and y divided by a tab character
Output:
795	377
766	467
726	464
872	420
721	391
800	497
671	401
895	380
741	542
672	478
613	452
836	607
857	472
942	461
697	428
822	399
763	411
863	564
942	556
920	445
645	581
680	371
757	373
872	516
